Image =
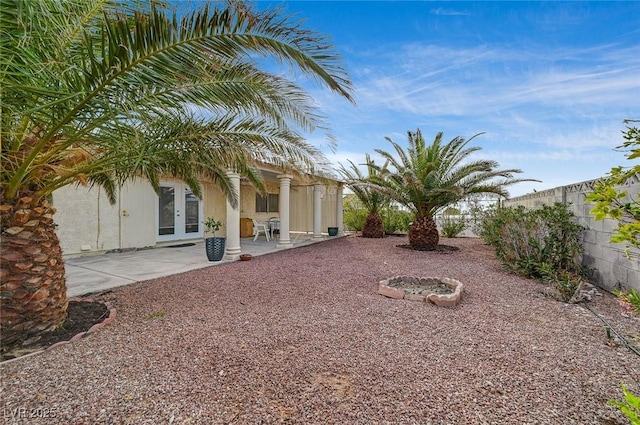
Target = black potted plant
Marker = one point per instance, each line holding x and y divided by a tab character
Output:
213	245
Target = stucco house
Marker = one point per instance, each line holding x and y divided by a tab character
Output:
88	223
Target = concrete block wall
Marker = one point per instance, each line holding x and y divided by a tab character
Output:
612	268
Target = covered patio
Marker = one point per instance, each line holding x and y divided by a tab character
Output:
141	218
301	205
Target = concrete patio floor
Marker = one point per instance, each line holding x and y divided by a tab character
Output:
97	273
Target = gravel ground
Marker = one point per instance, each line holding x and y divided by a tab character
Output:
300	336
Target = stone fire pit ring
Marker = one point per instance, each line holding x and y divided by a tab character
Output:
443	292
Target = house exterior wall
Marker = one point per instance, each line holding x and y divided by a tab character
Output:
612	268
87	222
215	205
301	219
330	208
85	219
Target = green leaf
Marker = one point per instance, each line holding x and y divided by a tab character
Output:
630	408
104	90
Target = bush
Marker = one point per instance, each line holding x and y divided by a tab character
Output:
452	226
631	298
477	210
395	220
493	222
355	216
565	282
543	244
404	219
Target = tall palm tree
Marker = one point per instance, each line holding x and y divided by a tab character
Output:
428	178
372	200
97	92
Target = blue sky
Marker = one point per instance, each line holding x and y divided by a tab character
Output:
550	83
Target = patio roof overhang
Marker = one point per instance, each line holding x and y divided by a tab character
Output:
271	172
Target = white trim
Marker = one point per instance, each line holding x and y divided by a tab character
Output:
179	209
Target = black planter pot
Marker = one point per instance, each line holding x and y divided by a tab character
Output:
333	231
215	248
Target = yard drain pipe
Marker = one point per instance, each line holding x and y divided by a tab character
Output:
609	329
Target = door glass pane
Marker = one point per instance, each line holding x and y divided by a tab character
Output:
192	212
166	210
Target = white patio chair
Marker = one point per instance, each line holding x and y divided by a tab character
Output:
274	226
260	228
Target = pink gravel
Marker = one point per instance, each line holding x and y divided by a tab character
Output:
301	336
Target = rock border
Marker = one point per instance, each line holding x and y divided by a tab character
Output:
92	329
441	300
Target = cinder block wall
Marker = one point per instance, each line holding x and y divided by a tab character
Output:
613	270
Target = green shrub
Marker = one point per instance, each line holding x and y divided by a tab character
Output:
389	221
491	230
563	239
565	282
631	298
404	220
355	214
451	211
543	244
354	219
395	220
452	226
630	408
476	210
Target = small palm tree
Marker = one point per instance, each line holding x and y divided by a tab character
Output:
428	178
97	92
372	200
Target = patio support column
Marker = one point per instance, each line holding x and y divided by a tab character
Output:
317	211
339	210
283	206
232	246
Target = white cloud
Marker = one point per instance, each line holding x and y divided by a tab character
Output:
555	112
448	12
450	81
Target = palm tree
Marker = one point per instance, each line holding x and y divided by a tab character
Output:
372	200
428	178
97	92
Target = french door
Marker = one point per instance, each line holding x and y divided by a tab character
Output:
179	213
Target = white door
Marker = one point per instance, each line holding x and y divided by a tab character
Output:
179	213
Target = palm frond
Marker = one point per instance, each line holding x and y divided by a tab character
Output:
428	178
101	75
363	186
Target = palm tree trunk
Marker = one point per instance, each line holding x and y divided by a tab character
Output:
33	290
373	227
423	233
